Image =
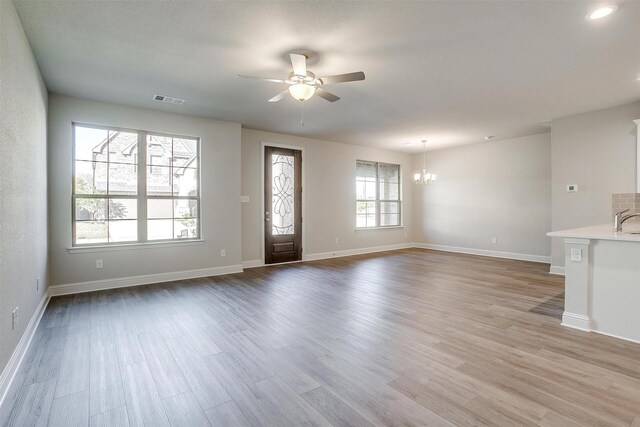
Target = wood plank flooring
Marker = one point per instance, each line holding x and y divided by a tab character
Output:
408	337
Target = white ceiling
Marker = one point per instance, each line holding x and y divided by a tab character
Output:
448	71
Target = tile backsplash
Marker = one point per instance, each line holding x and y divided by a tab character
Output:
624	201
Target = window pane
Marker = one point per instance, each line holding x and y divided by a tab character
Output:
123	209
159	208
282	200
158	229
159	181
159	150
123	146
186	229
91	209
389	182
90	143
123	230
91	178
185	182
88	232
389	219
185	152
366	170
185	208
123	179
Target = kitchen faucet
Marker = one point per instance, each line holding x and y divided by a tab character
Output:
620	218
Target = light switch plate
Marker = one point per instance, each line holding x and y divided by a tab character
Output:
576	254
572	188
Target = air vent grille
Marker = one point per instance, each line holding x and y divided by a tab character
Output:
168	99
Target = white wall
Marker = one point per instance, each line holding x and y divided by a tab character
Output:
495	189
329	194
220	198
597	151
23	181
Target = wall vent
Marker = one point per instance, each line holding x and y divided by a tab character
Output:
168	99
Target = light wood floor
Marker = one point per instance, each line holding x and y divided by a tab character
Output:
410	337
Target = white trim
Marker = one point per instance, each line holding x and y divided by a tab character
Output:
557	270
13	366
576	321
383	227
252	264
637	122
349	252
131	246
262	208
485	252
123	282
616	336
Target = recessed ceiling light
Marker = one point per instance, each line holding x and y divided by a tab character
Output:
601	12
489	138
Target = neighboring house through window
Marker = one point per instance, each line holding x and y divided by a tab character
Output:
120	196
378	202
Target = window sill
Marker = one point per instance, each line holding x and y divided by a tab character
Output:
132	246
389	227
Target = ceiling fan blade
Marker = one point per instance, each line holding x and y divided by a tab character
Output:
279	96
327	95
299	63
342	78
262	79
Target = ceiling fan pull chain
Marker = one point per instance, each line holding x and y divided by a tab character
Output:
302	114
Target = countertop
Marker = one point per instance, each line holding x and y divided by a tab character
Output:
601	232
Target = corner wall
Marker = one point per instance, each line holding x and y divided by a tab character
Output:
329	195
23	181
597	151
220	195
498	189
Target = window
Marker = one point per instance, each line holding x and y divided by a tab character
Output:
120	196
377	194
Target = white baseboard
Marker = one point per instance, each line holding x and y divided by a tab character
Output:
616	336
123	282
554	269
486	252
360	251
576	321
13	366
252	264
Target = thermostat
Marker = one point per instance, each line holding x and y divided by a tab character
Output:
572	188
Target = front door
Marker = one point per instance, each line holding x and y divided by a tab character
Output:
283	205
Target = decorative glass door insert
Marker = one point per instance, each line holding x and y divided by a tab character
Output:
282	200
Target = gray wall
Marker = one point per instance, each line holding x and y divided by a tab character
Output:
597	151
495	189
328	167
23	181
220	198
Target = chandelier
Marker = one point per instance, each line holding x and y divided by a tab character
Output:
424	177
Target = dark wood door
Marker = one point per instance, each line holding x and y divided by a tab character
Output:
282	204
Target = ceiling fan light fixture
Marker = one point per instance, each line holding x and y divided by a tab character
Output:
302	91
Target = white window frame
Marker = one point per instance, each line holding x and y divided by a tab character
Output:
377	199
142	197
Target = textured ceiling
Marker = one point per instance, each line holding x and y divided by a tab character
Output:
451	71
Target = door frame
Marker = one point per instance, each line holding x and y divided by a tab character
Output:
262	207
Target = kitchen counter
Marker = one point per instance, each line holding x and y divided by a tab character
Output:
601	232
602	280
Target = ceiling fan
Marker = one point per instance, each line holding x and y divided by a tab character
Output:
303	84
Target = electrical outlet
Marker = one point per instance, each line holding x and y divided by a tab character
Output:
223	252
494	240
336	240
14	318
99	263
